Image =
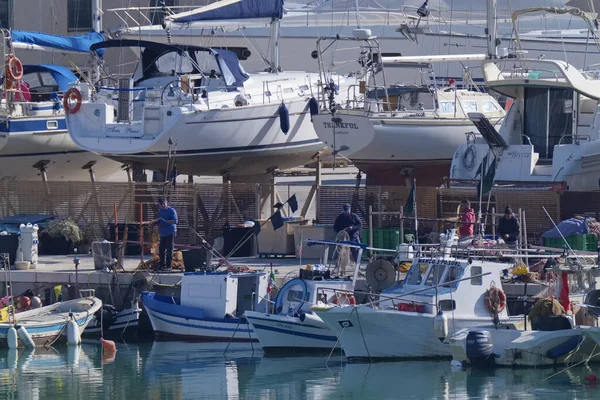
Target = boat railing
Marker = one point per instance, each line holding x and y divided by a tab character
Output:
575	139
360	100
528	139
523	72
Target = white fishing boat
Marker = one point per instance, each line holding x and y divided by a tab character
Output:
211	306
399	133
413	319
198	108
48	324
551	133
113	323
548	336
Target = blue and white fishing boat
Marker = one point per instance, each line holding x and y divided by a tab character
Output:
211	306
292	326
33	129
46	325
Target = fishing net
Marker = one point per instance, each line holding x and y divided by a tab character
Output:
342	253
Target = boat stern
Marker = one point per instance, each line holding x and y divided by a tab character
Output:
344	133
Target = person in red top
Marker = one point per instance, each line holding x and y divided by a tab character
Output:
467	214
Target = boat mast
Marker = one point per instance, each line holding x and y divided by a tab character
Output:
96	26
491	29
275	62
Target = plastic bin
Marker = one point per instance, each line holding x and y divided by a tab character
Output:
585	242
194	259
232	236
9	244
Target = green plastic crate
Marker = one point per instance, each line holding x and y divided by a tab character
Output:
585	242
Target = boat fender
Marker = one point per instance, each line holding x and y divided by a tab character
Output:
36	302
469	157
440	326
73	336
301	315
480	349
25	337
11	338
284	118
313	106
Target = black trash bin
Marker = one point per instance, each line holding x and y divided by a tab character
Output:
232	236
9	244
194	259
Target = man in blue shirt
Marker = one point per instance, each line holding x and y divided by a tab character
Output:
167	227
349	222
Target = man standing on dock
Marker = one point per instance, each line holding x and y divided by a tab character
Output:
350	223
167	227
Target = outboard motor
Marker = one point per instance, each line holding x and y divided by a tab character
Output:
480	350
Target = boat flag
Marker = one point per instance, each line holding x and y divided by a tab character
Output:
409	207
487	176
271	282
293	202
276	220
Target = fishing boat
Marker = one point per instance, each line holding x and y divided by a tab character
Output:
550	135
46	325
114	324
211	306
547	337
292	326
388	130
199	109
34	142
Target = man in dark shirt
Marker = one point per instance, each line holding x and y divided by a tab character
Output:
350	223
508	228
167	227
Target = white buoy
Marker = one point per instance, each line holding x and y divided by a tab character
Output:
73	354
11	338
25	337
456	366
73	336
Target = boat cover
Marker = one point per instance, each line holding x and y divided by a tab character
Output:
62	75
244	9
76	43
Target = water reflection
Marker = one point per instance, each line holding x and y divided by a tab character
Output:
180	370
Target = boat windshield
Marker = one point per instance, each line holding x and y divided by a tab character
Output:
433	275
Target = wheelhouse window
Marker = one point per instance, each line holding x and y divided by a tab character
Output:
475	279
447	107
6	7
79	15
469	106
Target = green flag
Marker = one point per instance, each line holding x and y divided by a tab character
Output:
482	167
488	179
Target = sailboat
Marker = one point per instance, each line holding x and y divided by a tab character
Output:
198	107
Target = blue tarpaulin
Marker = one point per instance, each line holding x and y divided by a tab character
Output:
11	224
244	9
77	43
567	227
62	75
232	63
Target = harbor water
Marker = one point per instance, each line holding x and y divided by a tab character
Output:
181	370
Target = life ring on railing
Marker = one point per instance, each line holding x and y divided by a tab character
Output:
72	95
14	68
468	159
495	300
343	299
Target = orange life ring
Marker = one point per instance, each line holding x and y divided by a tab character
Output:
72	95
344	299
14	68
495	300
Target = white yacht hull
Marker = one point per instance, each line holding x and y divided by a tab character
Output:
235	141
283	332
366	333
26	141
383	146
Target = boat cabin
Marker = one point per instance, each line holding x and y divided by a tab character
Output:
298	295
224	294
429	277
